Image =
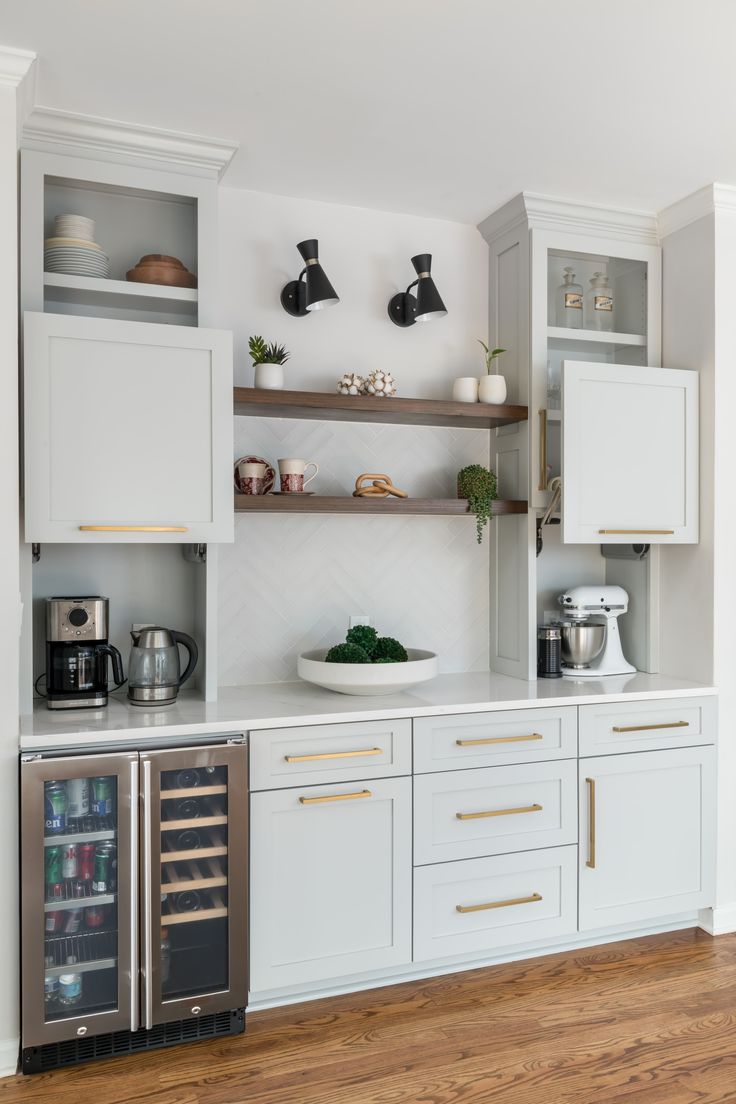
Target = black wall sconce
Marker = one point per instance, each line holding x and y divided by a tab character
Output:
312	291
405	309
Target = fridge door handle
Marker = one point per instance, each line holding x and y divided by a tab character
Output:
147	890
134	814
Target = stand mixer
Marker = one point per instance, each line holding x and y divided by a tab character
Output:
591	645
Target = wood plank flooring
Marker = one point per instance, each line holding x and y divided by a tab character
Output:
647	1021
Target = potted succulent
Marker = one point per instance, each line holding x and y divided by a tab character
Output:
479	486
492	388
268	361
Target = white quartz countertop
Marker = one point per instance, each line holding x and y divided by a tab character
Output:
276	705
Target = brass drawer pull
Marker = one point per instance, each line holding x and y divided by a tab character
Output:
651	727
332	755
590	861
334	797
500	812
637	532
499	740
500	904
133	529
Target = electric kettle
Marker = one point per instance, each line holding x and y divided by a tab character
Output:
154	673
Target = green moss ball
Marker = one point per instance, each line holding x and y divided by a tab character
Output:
365	636
347	653
388	650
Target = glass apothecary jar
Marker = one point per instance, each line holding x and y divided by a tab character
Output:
569	305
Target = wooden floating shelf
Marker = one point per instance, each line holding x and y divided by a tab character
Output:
594	337
346	504
258	402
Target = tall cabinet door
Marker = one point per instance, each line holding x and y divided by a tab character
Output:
647	835
128	431
629	454
79	858
330	881
194	828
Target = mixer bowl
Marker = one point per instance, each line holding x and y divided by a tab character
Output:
582	642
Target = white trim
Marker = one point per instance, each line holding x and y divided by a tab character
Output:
9	1050
720	920
566	214
706	201
14	66
50	130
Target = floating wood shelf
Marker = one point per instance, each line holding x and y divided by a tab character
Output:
346	504
257	402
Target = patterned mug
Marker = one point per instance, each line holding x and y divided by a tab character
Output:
253	476
292	475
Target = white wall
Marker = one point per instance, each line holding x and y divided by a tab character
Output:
289	584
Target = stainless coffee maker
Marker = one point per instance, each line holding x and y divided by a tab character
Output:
77	652
154	673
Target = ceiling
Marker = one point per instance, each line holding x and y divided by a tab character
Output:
436	107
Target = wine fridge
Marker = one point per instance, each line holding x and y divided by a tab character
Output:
133	900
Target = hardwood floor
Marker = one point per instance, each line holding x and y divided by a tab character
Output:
648	1021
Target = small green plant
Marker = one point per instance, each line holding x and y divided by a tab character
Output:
263	353
479	486
364	645
388	650
490	355
365	636
347	653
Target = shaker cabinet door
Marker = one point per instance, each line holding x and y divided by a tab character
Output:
629	454
128	431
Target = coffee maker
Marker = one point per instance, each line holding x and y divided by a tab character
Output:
77	652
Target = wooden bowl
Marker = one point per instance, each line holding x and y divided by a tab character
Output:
157	268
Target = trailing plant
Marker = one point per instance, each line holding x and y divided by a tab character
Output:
479	486
263	353
490	355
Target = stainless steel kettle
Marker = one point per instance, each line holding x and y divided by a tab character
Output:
154	672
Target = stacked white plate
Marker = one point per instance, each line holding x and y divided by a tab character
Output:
73	249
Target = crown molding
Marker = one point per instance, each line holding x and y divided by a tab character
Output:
49	129
706	201
551	212
14	65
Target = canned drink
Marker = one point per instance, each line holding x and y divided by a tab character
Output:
86	861
73	921
77	793
80	889
103	795
50	989
95	916
55	891
70	988
54	922
55	805
53	863
69	865
105	868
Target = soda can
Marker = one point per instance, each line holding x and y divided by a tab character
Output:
95	916
104	872
55	805
86	861
53	863
50	989
73	921
55	892
80	889
70	988
69	865
103	795
54	922
77	793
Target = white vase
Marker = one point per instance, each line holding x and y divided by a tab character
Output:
270	376
492	389
465	389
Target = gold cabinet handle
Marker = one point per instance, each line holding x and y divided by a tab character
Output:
133	529
332	755
650	727
500	812
637	532
499	740
334	797
543	480
500	904
590	861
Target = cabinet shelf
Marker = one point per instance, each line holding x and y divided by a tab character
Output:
346	504
79	903
194	791
193	917
258	402
79	837
93	291
193	822
594	337
194	853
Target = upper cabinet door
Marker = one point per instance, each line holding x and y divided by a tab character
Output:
128	431
629	454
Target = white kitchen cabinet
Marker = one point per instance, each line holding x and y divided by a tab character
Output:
629	454
128	431
647	835
331	881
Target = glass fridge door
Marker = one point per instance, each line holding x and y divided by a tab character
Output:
194	873
79	878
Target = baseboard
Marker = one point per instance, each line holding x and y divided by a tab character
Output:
720	920
9	1050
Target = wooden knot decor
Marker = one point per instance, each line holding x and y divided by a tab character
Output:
373	485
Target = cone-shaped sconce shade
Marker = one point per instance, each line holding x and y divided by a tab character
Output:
315	292
405	309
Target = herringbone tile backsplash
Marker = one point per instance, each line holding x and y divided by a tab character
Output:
290	582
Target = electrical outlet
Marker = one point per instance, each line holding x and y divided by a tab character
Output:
145	625
359	619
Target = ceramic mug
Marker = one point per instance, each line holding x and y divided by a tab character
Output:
292	475
253	476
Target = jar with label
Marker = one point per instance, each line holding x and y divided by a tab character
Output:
569	310
600	303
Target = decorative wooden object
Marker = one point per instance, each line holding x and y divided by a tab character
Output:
380	486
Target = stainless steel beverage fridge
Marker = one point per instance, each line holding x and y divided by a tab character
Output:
133	896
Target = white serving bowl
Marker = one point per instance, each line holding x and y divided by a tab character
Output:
368	678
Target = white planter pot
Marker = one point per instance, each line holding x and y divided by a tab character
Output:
270	376
492	389
465	389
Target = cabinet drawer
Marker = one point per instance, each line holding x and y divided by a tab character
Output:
483	739
647	726
326	753
488	904
494	810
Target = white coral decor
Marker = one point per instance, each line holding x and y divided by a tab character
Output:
380	384
350	384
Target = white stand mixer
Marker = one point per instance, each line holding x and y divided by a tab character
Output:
594	658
